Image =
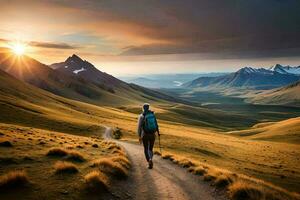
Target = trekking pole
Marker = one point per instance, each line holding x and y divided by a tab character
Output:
159	144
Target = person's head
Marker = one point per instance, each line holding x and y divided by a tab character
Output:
146	107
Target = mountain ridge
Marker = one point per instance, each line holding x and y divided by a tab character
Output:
288	95
99	89
248	77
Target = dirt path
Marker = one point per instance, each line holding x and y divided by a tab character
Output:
164	181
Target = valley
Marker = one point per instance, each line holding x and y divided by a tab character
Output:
149	100
227	134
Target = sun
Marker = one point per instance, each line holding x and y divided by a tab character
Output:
18	48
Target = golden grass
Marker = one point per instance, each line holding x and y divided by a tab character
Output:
96	181
239	186
157	153
168	156
185	163
75	156
123	161
111	167
199	170
65	167
60	152
241	190
68	116
222	181
119	152
68	154
5	144
114	146
14	179
211	174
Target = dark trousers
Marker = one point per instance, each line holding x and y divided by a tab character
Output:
148	142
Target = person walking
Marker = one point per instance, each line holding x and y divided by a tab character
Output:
147	127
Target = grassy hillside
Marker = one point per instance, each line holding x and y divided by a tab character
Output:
283	131
289	95
40	164
112	93
275	162
25	105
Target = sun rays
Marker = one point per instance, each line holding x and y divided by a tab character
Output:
18	48
15	57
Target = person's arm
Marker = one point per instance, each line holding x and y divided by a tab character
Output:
139	127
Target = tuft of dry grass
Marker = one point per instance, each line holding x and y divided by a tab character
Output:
185	163
42	143
96	181
75	156
5	144
122	161
168	156
113	146
242	190
199	170
119	152
108	166
69	154
14	179
223	181
211	175
60	152
157	153
65	167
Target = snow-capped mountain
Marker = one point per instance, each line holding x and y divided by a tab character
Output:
285	69
75	66
256	78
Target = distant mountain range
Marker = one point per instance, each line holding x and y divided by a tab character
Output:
285	69
165	80
288	95
248	77
79	80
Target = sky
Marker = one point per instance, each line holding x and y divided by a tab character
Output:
124	37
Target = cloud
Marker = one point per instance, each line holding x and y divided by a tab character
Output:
175	26
244	45
46	45
3	40
52	45
139	27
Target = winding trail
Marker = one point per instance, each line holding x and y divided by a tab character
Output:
164	181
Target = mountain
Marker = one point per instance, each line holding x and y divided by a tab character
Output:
288	95
285	69
75	66
88	85
165	80
247	77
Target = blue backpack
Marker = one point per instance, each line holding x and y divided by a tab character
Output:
150	123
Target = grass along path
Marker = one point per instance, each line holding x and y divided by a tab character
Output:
164	181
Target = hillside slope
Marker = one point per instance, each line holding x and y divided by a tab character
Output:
282	131
289	95
99	89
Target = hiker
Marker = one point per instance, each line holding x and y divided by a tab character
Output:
147	127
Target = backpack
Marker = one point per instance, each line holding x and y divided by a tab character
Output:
150	123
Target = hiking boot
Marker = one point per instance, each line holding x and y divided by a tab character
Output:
150	164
